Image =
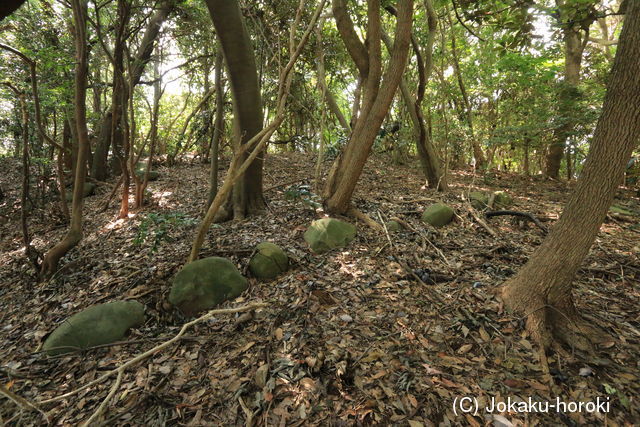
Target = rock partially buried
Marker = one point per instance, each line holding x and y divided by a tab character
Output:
268	262
502	199
479	200
87	190
205	283
438	215
140	168
326	234
393	226
96	325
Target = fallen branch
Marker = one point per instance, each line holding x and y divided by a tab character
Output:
354	212
479	220
526	215
137	359
22	402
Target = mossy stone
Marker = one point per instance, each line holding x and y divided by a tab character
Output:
96	325
141	167
393	226
268	262
326	234
87	190
438	215
479	200
621	210
205	283
502	199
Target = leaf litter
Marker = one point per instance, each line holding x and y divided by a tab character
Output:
389	330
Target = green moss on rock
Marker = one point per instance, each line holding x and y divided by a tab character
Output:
140	168
87	190
393	226
268	262
205	283
479	200
96	325
438	215
326	234
502	199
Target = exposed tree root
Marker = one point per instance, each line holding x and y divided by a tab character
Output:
364	218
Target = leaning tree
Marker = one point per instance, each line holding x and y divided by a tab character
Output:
378	90
542	289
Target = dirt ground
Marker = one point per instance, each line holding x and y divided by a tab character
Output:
350	337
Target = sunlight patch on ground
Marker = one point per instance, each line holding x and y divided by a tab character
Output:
162	197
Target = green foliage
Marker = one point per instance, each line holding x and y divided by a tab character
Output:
304	195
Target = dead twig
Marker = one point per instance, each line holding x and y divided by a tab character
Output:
22	402
526	215
137	359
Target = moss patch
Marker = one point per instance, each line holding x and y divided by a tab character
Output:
268	262
205	283
438	215
326	234
96	325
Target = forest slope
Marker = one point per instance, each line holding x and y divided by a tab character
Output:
348	336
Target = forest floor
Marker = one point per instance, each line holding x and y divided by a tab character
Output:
349	337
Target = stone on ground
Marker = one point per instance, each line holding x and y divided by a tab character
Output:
87	190
96	325
479	200
502	199
438	215
268	262
140	168
326	234
393	226
205	283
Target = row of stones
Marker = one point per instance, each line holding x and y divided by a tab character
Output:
206	283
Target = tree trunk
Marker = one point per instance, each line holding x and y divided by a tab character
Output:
568	96
478	154
424	145
218	125
377	95
141	185
139	62
74	235
246	197
99	169
541	291
322	82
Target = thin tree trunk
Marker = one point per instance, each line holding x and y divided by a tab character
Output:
542	289
322	82
74	235
478	154
569	95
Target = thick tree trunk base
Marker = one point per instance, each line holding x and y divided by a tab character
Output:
553	325
238	209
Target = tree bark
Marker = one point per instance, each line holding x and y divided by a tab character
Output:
246	198
424	145
478	154
218	125
139	62
7	7
541	291
74	235
569	94
377	96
